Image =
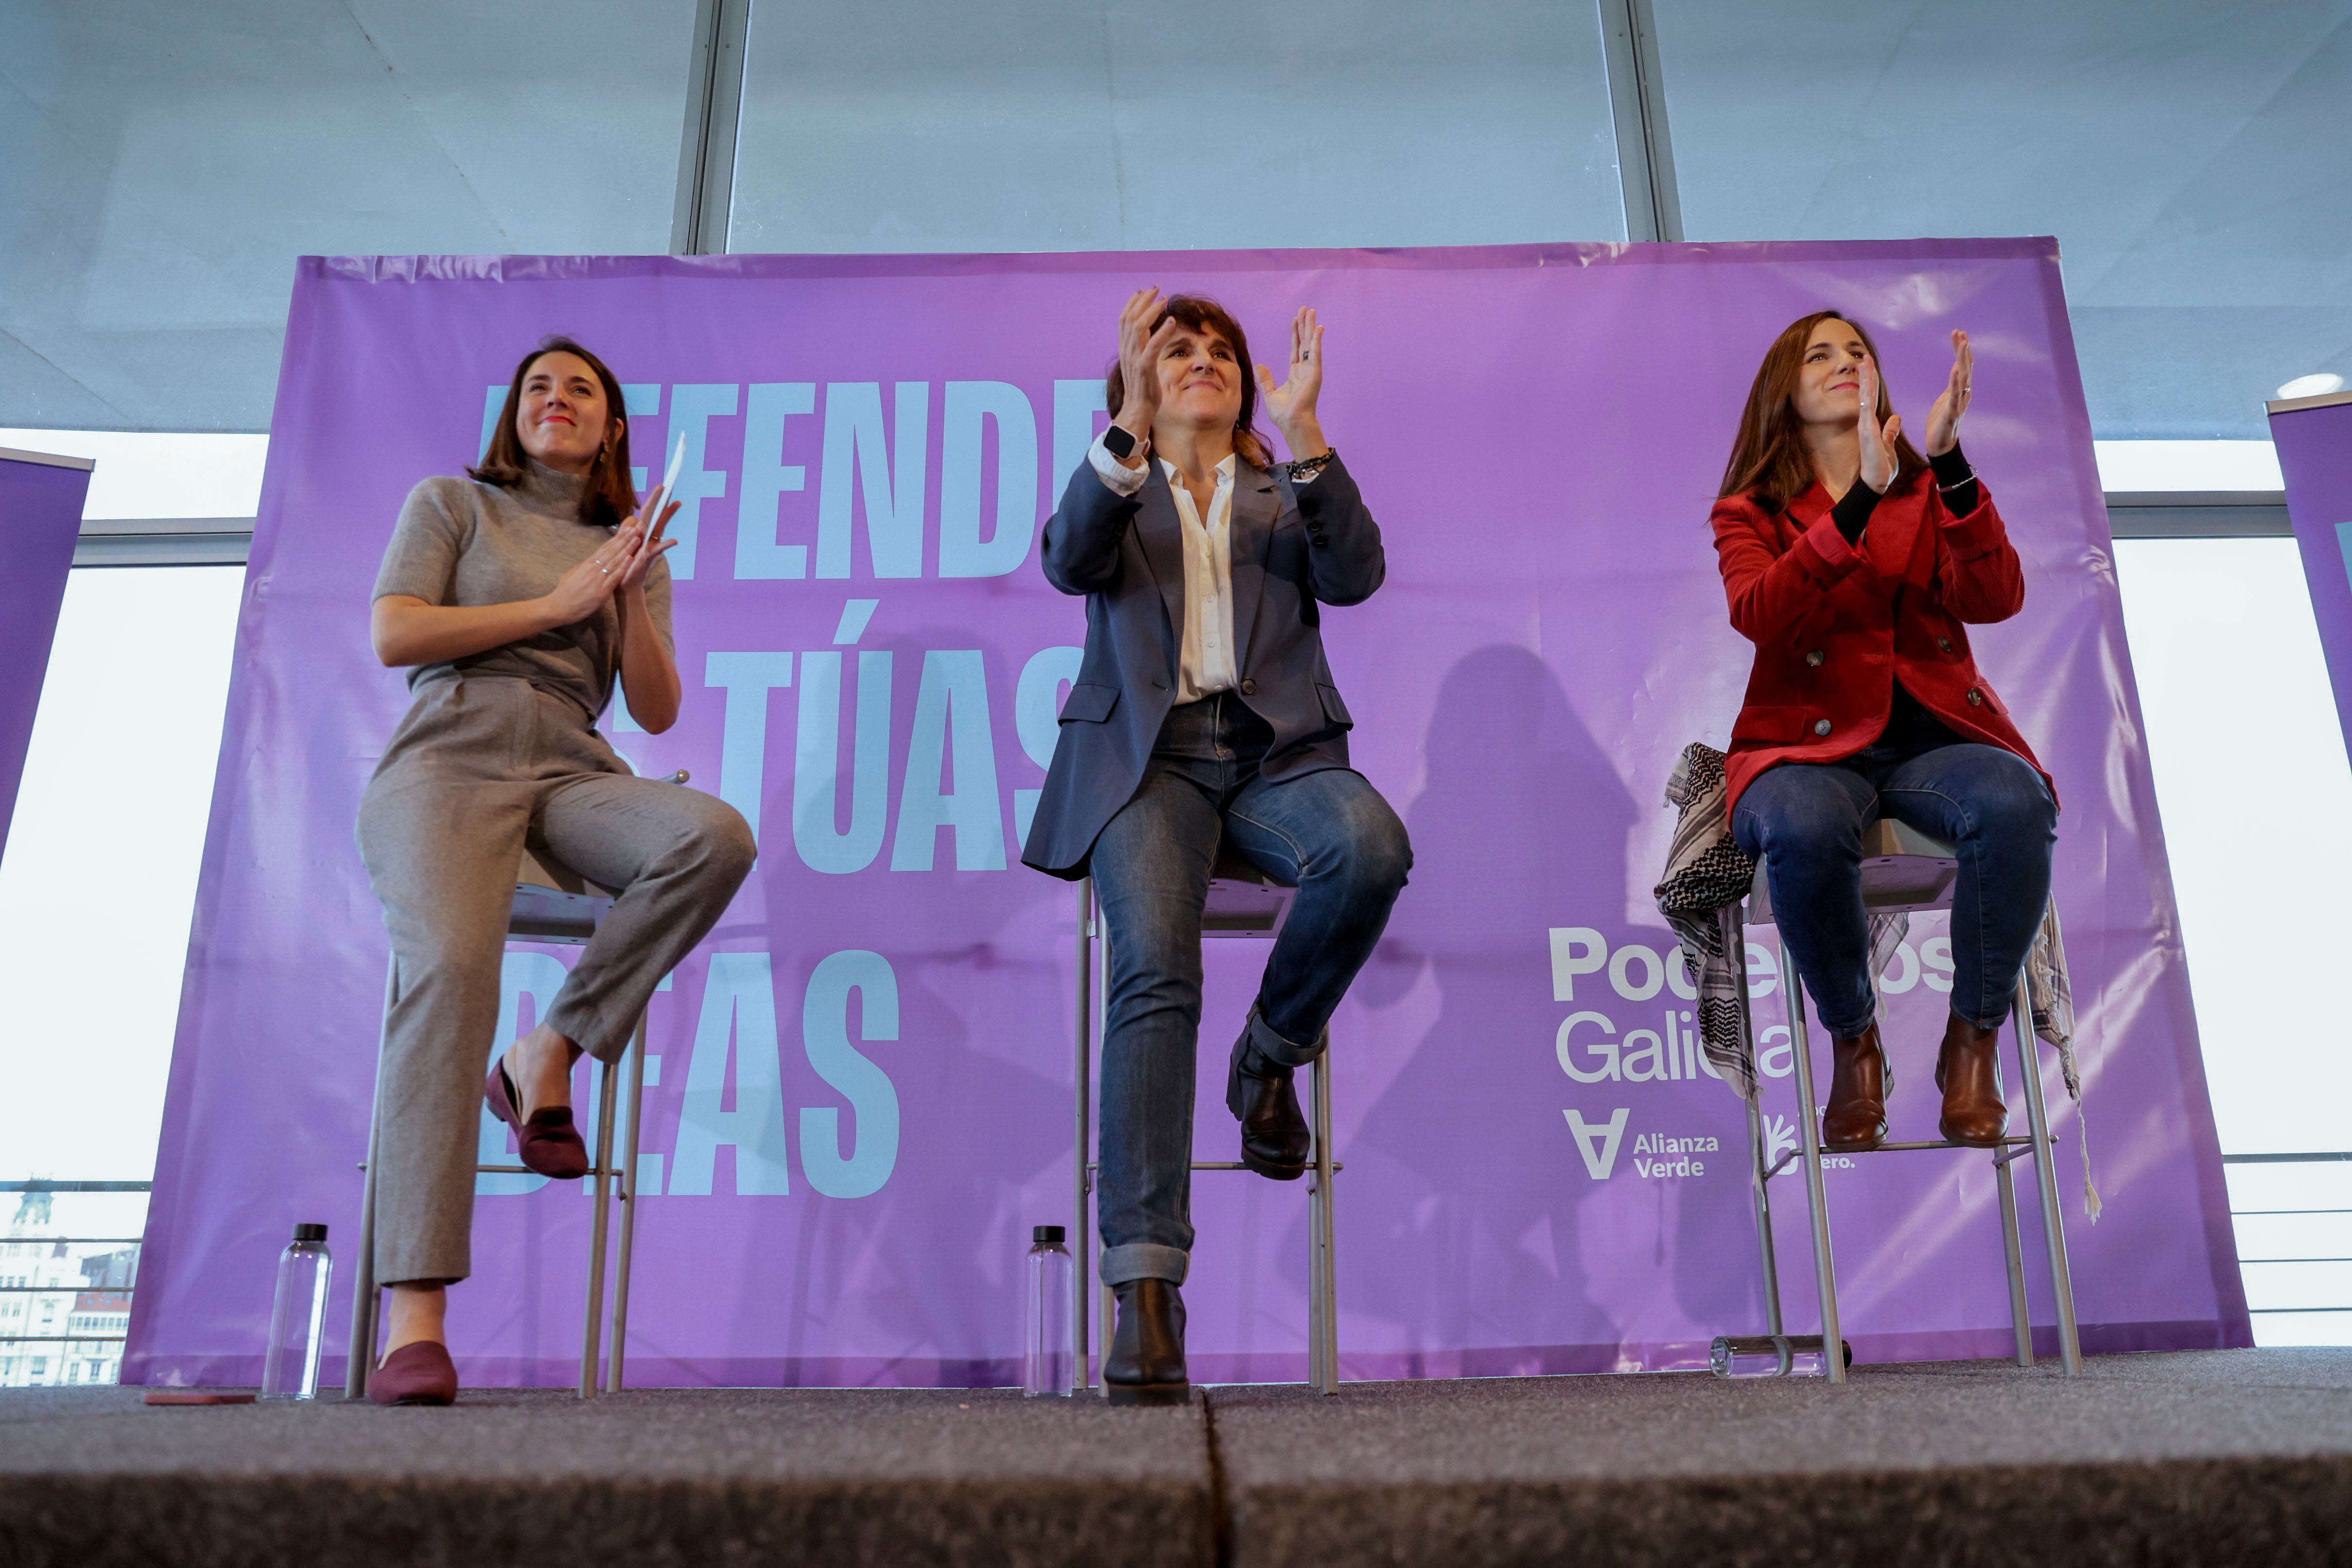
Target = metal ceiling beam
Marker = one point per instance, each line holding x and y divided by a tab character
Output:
164	542
2197	514
714	114
1637	103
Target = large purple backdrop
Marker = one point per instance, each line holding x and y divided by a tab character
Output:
40	517
863	1100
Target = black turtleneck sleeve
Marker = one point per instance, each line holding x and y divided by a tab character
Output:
1957	482
1853	510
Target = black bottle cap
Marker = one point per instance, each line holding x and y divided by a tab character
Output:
310	1232
1049	1232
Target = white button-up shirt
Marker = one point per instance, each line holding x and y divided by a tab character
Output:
1207	660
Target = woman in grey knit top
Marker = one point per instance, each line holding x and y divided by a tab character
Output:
515	597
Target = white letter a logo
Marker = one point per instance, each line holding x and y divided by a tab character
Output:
1599	1144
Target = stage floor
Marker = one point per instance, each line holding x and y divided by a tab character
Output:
2217	1458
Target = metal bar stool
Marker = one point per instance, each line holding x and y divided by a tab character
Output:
1242	901
552	903
1902	869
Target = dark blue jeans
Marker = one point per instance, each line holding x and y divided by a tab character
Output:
1805	820
1331	835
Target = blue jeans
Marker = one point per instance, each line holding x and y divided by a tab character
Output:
1331	835
1805	820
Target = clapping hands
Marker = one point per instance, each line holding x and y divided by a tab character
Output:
617	565
1291	405
1944	418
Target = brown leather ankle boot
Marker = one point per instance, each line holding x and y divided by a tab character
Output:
1967	1069
1855	1122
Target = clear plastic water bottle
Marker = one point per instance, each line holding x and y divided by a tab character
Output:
1045	1365
1769	1355
297	1317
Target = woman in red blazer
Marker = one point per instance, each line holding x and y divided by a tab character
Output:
1856	566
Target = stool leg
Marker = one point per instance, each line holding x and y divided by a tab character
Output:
1816	1194
1321	1228
1082	1252
608	1083
1735	943
2019	1313
364	1289
2045	1176
628	1196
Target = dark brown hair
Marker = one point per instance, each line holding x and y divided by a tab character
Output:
608	497
1203	314
1769	459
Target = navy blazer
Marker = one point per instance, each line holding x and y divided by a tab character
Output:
1295	549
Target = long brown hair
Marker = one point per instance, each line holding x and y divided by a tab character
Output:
1203	314
1769	459
608	497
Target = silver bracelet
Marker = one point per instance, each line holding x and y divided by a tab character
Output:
1301	472
1967	478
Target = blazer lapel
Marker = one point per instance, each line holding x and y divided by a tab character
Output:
1161	537
1256	503
1803	511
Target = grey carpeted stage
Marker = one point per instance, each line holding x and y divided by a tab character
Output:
2218	1458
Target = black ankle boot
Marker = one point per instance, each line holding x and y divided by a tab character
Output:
1146	1364
1258	1091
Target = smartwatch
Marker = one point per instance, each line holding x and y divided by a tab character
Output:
1118	443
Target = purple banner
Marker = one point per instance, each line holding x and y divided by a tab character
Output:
863	1091
40	517
2314	438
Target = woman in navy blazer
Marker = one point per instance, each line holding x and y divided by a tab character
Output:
1856	566
1204	711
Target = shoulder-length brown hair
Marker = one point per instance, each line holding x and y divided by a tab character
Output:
1203	314
1769	459
608	498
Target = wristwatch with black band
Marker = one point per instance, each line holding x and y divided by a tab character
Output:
1307	468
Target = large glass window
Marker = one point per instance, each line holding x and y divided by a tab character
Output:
2194	161
2252	775
98	879
167	163
907	125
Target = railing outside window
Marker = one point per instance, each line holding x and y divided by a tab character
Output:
2293	1214
65	1300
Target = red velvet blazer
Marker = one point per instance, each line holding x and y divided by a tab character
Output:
1834	625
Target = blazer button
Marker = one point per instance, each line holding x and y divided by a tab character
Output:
1976	697
1944	643
1814	657
1249	688
1319	541
1821	726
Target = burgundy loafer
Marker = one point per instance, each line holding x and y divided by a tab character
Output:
548	1142
418	1373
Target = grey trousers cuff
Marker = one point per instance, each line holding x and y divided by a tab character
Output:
1145	1260
605	1039
1282	1052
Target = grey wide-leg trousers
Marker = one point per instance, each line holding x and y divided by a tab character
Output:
479	763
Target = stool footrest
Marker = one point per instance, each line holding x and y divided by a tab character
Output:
2013	1147
526	1171
1199	1165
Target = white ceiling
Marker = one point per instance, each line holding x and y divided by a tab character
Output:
161	165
